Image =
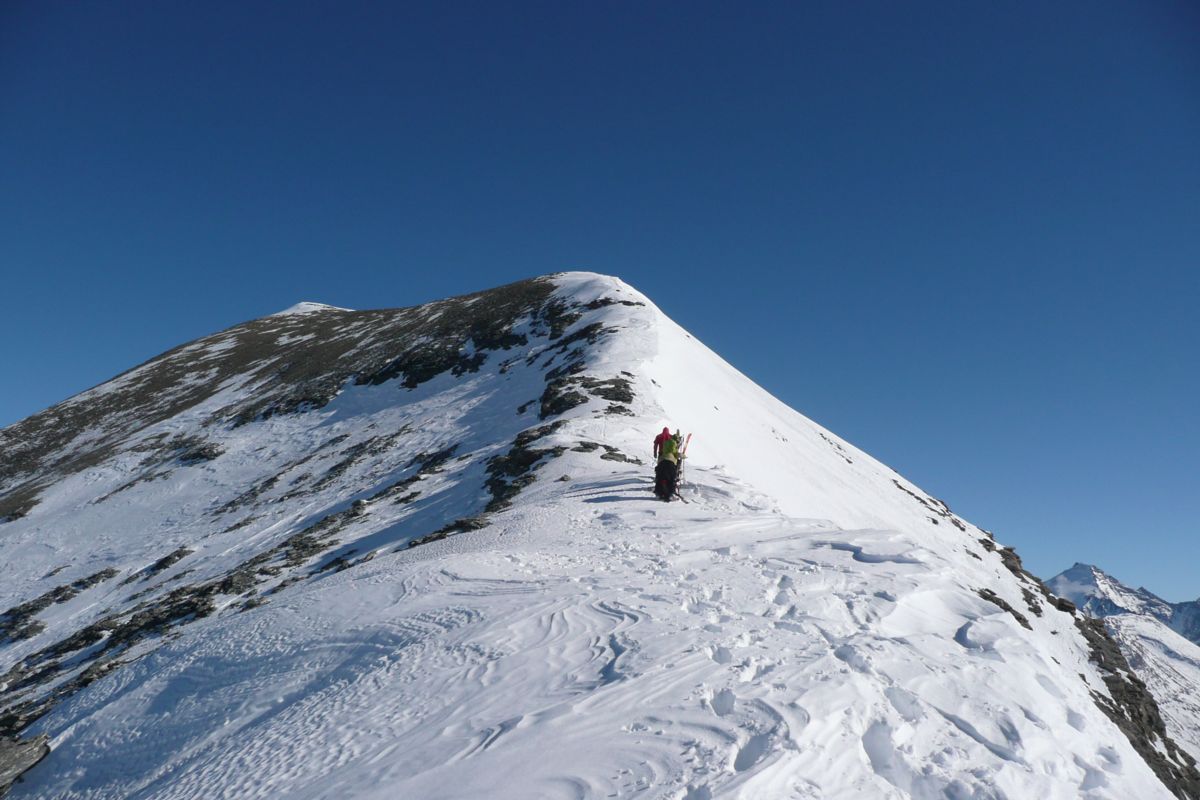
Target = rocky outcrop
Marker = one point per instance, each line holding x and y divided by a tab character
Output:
18	757
1132	708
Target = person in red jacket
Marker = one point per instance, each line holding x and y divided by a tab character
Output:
660	440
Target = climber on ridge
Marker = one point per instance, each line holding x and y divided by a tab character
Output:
666	472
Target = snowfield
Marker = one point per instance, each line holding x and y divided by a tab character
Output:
807	625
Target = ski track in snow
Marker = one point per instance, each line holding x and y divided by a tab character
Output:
799	629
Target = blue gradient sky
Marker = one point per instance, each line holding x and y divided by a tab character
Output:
964	236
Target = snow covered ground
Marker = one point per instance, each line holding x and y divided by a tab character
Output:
808	625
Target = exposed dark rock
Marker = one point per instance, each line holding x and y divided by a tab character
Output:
992	597
613	454
1031	586
588	333
94	579
618	390
608	301
241	523
195	451
511	472
18	757
558	399
254	602
337	564
18	504
1063	604
565	390
18	623
454	335
1132	709
841	451
181	605
458	526
618	409
1031	601
1012	562
158	566
431	462
557	316
938	507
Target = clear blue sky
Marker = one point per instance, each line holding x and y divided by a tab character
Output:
964	236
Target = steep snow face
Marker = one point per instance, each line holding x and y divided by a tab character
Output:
415	554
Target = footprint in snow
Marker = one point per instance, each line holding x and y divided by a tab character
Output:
853	658
722	703
721	654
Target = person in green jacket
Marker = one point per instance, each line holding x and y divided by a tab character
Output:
666	472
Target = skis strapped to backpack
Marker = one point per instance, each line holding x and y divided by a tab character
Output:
682	456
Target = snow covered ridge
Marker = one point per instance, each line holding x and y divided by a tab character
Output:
277	364
414	553
307	307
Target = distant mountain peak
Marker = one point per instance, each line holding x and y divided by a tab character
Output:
1102	595
1099	594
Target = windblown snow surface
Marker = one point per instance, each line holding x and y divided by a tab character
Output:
807	625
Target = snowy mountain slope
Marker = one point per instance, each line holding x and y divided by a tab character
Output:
413	553
1149	632
1170	666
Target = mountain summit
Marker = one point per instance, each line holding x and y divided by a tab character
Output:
415	553
1101	595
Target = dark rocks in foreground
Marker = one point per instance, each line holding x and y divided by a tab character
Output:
18	757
